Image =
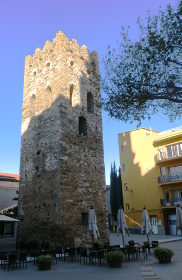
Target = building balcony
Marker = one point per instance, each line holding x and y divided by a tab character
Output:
170	202
164	156
169	178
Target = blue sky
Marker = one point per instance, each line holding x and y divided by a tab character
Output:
26	25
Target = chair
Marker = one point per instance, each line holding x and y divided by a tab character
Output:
92	255
66	254
83	255
59	252
72	254
101	256
11	261
22	258
131	251
147	245
3	258
144	251
131	242
77	253
155	244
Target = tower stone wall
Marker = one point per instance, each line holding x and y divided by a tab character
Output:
62	165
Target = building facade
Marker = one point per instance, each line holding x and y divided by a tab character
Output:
9	186
62	164
168	162
151	175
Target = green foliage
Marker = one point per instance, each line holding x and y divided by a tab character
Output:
44	262
145	76
115	256
116	198
119	190
44	259
163	253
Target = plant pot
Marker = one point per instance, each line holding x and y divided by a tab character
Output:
44	266
115	264
164	260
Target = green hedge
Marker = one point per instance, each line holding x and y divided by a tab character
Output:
115	256
44	259
163	253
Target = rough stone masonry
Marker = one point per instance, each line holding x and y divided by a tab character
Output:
62	164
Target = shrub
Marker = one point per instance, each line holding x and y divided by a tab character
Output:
44	258
115	256
44	262
163	253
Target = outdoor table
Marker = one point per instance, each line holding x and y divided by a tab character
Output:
96	255
148	245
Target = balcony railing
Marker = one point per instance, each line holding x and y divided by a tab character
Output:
169	178
164	155
170	202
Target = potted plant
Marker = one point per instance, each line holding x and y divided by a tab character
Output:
115	258
164	255
44	262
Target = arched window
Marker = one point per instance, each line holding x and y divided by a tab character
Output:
82	126
90	102
71	95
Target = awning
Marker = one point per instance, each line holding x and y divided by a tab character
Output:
4	218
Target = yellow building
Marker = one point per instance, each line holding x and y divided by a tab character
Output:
168	162
151	172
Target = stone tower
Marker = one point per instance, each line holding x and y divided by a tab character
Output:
62	165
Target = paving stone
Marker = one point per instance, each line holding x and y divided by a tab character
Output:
152	278
147	273
146	268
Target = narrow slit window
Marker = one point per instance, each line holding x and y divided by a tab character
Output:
82	126
90	103
71	95
127	207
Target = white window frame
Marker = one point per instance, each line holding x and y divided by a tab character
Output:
124	167
125	186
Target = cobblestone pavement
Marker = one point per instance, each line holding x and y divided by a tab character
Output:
75	271
151	269
172	271
139	269
147	272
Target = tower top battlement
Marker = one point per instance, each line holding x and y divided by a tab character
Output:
62	40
